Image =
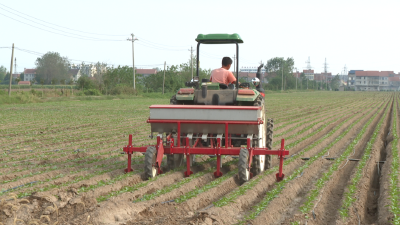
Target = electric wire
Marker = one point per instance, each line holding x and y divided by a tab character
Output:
58	29
56	32
62	26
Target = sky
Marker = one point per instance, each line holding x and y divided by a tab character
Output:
362	35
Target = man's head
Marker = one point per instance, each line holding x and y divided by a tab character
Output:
226	62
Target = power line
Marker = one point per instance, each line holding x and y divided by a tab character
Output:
58	33
63	26
78	60
98	39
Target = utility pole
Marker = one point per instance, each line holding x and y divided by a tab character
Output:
133	39
282	77
11	71
191	60
234	63
326	74
296	78
163	83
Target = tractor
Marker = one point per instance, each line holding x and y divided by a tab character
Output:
215	119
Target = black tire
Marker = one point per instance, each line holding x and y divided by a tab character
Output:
256	167
173	100
269	141
244	174
149	160
174	161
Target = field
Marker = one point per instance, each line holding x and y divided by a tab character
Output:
61	163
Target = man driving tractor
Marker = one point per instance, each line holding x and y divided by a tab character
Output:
223	75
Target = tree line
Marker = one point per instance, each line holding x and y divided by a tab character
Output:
54	69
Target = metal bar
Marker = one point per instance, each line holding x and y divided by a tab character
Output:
218	151
226	135
129	168
197	59
237	66
160	153
354	159
187	153
211	150
280	175
258	122
179	133
250	149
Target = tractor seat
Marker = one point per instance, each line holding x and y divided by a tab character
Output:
223	86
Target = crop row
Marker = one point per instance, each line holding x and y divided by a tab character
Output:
272	194
394	190
349	195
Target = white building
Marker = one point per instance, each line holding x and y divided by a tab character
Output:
250	69
29	74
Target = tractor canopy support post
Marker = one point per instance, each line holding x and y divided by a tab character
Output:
280	175
237	66
197	59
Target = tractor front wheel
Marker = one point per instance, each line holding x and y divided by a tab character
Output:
150	157
243	166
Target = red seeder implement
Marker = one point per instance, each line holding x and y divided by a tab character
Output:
215	146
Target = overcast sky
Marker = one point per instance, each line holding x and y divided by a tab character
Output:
360	34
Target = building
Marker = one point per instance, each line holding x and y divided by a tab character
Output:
373	80
309	74
15	76
248	76
29	74
74	74
24	83
251	69
146	72
323	77
352	78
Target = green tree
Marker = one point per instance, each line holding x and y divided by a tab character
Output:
277	66
3	72
21	76
52	67
335	83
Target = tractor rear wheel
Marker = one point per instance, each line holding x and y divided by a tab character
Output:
268	143
150	157
243	166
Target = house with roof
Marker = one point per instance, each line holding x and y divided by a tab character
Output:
74	74
309	74
24	83
29	74
373	80
247	76
146	72
16	75
352	77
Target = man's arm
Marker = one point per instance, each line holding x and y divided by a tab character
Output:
231	78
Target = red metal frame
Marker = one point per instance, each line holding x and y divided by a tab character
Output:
205	107
214	149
